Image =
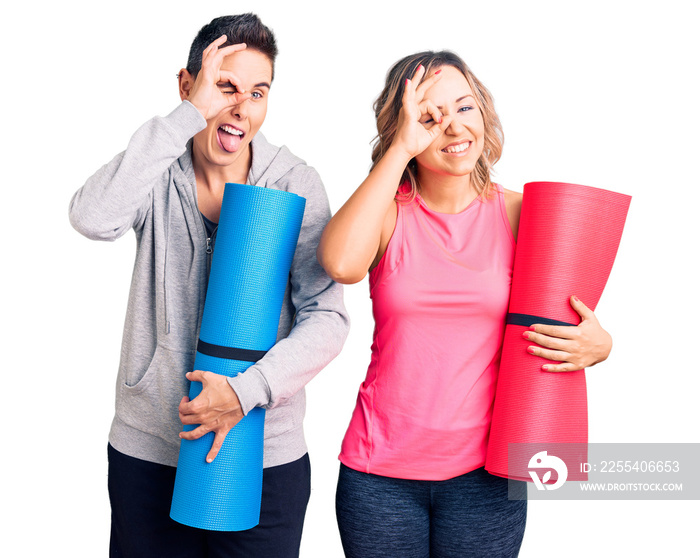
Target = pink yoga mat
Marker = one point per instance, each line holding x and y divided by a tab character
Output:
567	242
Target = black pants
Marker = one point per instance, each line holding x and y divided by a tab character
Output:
140	494
469	515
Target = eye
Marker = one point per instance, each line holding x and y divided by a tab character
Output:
465	108
226	88
256	95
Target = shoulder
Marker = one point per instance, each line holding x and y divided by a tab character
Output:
512	199
278	167
513	202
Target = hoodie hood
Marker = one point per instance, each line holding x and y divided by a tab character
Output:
270	163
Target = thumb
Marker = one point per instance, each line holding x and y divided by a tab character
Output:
584	311
196	376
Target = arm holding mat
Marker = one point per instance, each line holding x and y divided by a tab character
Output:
574	347
321	323
216	409
571	347
117	197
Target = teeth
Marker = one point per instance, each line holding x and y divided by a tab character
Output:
457	148
231	130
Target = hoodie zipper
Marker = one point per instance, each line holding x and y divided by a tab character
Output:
209	247
209	250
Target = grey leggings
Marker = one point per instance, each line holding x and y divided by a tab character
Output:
467	516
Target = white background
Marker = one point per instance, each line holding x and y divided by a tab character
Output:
596	93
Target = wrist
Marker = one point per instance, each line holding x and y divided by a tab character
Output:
399	155
202	111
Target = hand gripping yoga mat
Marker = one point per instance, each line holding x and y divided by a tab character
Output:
256	238
567	242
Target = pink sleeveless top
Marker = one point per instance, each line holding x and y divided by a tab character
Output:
439	298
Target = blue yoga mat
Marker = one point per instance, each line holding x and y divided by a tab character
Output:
255	242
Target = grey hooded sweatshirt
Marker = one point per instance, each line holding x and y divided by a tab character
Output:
150	187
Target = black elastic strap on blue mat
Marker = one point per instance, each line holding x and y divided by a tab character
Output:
528	319
230	353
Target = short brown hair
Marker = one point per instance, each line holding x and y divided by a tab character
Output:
243	28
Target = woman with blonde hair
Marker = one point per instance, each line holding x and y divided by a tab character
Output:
438	238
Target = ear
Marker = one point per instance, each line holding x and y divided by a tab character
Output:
185	83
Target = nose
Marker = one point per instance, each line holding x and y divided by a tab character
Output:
455	127
240	109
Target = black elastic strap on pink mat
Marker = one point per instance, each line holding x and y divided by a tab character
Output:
527	320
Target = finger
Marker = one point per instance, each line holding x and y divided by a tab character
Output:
188	412
414	83
549	354
408	92
440	127
187	417
195	434
214	46
562	332
219	438
446	121
230	49
561	367
198	408
240	97
409	108
584	311
196	376
428	83
183	403
550	342
213	56
226	76
420	71
428	107
231	94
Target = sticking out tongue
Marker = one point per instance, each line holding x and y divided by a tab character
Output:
230	142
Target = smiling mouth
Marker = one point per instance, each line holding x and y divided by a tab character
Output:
458	148
230	137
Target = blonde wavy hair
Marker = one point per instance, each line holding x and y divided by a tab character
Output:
388	105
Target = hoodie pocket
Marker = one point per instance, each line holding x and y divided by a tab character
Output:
184	275
151	404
